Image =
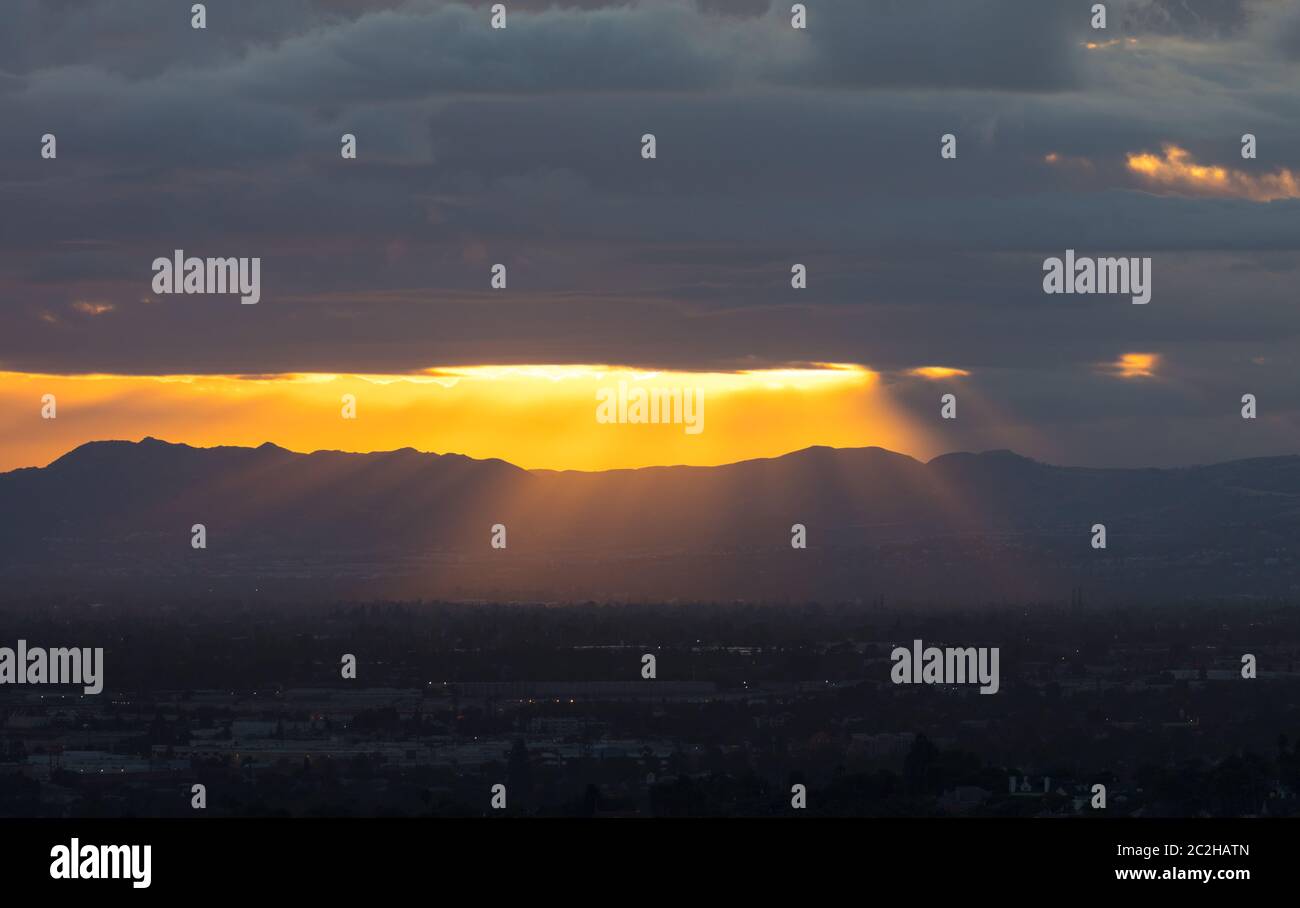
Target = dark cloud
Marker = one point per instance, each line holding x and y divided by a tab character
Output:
1001	44
1210	19
1287	33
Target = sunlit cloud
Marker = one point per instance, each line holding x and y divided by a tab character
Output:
1175	171
1068	162
1133	365
92	309
937	372
1113	42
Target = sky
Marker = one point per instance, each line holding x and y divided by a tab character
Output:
774	146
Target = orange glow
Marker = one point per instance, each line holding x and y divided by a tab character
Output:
92	309
1113	42
1065	162
937	372
1177	172
538	417
1135	365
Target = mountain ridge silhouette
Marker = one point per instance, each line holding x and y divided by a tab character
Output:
994	521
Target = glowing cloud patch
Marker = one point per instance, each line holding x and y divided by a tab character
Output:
1107	45
91	308
1067	162
1134	365
937	372
1175	171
